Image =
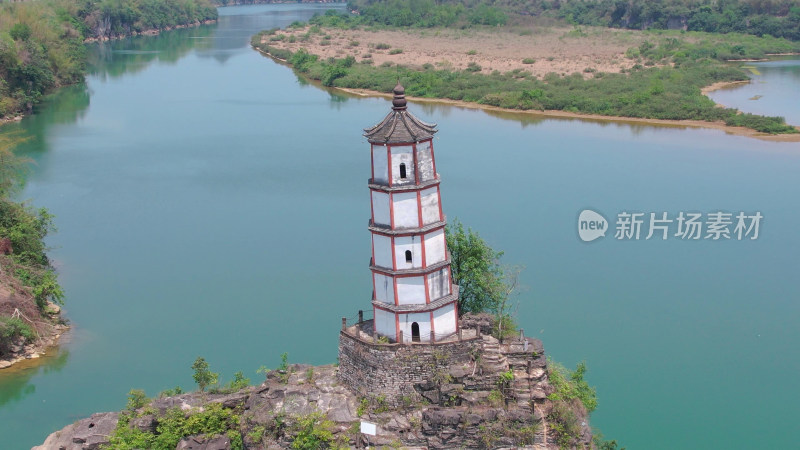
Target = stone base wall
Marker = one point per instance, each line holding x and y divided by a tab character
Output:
393	370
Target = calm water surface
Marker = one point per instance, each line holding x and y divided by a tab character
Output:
210	203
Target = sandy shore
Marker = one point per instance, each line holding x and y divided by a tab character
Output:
738	131
538	50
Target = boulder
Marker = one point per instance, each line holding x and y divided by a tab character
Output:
87	434
203	443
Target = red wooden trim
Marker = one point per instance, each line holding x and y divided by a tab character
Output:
455	311
371	207
427	292
439	194
396	300
374	322
391	210
433	159
416	167
432	327
394	261
372	161
396	327
422	245
374	296
389	164
419	208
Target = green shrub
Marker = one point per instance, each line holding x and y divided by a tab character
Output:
395	51
312	431
382	46
528	61
11	329
136	399
571	385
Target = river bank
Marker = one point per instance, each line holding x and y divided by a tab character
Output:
592	73
719	125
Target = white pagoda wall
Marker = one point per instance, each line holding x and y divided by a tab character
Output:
382	249
410	290
402	155
425	161
444	320
380	208
385	323
380	165
406	211
403	243
430	205
439	284
384	288
422	319
434	247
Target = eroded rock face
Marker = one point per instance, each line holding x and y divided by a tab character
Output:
465	405
86	434
203	443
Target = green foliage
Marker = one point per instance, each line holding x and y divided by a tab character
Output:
528	61
310	375
496	398
239	382
174	425
571	385
312	431
395	51
363	406
177	390
564	423
11	329
202	375
136	399
475	269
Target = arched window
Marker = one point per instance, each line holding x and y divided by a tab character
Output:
415	332
408	256
402	170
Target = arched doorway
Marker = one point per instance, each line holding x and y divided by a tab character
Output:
415	332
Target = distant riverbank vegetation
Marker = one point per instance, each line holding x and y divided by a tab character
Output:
665	82
41	42
28	282
778	18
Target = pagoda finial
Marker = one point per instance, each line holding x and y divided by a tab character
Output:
399	101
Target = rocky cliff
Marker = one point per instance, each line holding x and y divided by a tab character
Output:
498	396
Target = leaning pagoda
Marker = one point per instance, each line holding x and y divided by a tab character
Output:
413	298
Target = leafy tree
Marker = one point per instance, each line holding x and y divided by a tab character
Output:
476	270
202	375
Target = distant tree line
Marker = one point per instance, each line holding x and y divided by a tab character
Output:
779	18
41	42
428	13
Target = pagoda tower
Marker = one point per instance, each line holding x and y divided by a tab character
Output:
413	298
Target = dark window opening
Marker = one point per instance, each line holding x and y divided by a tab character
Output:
415	332
408	256
402	170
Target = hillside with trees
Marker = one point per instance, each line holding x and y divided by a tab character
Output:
42	42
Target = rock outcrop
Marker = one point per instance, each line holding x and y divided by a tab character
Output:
494	397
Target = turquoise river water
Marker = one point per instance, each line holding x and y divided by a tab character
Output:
211	203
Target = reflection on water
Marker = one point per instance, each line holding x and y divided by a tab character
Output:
772	92
15	382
